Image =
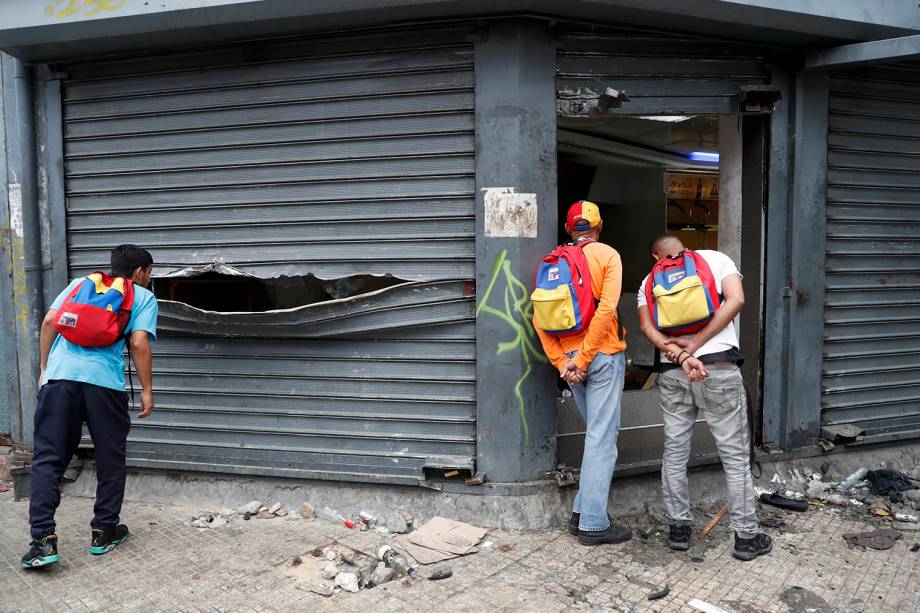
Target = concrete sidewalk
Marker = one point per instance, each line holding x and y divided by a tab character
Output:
248	566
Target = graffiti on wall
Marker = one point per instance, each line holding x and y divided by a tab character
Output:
516	311
71	9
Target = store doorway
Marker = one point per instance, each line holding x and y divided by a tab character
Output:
698	177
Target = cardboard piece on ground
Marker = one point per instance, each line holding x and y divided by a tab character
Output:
441	539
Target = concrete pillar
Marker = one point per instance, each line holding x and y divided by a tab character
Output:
730	156
778	236
516	226
24	237
9	380
807	243
795	246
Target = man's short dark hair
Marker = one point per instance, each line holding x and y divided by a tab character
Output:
662	240
128	258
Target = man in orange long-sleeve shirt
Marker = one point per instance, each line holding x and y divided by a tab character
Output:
593	363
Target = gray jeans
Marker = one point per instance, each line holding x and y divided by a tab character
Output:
721	399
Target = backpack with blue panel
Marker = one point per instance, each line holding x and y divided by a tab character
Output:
96	312
681	293
563	301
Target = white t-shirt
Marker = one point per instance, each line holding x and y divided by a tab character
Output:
727	338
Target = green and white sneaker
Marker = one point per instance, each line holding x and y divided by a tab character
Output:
105	541
42	553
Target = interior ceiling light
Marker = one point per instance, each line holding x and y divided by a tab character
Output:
667	118
703	156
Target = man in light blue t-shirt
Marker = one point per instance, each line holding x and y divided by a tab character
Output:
87	385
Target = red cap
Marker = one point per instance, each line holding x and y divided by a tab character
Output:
583	215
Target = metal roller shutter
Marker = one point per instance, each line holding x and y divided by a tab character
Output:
871	369
660	72
328	156
259	155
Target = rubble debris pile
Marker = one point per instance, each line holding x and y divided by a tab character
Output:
883	495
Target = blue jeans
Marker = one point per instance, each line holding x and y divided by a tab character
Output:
598	400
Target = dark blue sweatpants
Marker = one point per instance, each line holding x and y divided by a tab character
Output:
63	406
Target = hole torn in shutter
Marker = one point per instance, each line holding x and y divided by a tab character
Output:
220	300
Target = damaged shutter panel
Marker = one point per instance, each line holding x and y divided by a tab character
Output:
377	387
623	71
871	367
330	158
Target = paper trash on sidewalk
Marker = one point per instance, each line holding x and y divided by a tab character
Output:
441	539
705	607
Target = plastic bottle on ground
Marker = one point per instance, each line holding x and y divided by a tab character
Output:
330	515
838	500
854	478
396	561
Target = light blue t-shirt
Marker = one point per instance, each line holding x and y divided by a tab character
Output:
103	366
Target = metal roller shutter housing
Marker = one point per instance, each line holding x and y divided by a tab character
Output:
661	73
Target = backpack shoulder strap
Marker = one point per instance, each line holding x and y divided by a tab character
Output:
127	304
580	242
76	288
699	261
650	283
704	271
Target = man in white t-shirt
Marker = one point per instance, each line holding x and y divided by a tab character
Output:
700	373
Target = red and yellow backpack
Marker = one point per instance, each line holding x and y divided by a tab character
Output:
97	310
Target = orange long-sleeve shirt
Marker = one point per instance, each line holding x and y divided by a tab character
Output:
602	333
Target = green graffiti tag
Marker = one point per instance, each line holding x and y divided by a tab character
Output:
517	312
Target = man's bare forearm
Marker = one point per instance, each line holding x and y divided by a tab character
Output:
661	341
143	363
46	337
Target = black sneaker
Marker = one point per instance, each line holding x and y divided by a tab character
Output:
105	541
573	522
748	549
679	537
43	552
613	534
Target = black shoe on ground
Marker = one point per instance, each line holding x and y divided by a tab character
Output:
105	541
573	522
748	549
679	537
613	534
42	553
